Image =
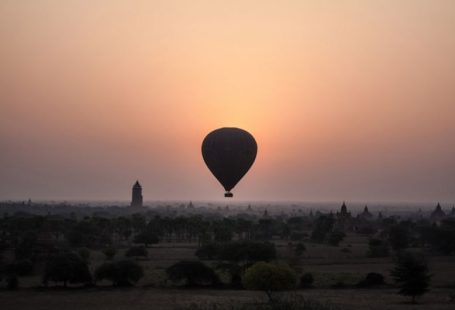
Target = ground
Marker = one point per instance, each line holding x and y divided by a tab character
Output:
329	265
150	298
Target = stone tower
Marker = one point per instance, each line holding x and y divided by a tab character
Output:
136	200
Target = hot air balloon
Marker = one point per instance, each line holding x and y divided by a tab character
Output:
229	153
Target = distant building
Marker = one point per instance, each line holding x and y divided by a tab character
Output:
344	220
136	200
366	215
344	214
438	213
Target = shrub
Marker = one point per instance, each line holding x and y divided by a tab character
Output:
372	279
306	280
120	273
194	273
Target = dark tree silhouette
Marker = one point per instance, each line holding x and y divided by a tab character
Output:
335	237
146	237
194	273
66	267
399	236
120	273
411	275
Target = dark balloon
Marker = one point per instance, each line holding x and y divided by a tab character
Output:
229	153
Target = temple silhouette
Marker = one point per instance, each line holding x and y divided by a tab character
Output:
136	199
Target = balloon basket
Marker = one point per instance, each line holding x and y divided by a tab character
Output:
228	195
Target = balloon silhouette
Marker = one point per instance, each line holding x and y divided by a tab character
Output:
229	153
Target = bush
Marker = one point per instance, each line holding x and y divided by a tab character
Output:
120	273
306	280
269	278
194	273
371	280
136	251
66	267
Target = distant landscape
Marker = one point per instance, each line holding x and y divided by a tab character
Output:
331	250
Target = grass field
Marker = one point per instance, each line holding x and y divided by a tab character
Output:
329	265
150	298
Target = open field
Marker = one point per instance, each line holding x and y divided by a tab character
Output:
149	298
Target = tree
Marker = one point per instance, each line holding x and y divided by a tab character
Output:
146	237
67	267
335	237
399	236
269	278
411	274
120	273
193	273
323	226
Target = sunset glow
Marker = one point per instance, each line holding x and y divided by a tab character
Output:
347	100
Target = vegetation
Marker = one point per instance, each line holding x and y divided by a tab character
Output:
66	267
269	278
60	247
372	279
411	274
120	273
193	273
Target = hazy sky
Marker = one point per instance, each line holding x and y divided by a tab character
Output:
348	100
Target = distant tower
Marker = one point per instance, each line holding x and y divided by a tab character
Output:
136	201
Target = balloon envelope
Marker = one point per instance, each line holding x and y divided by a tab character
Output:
229	153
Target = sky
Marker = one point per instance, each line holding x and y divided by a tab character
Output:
348	100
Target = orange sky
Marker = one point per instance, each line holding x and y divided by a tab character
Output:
348	100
